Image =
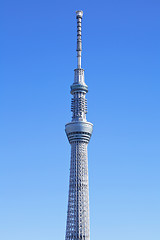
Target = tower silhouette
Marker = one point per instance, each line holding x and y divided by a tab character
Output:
78	132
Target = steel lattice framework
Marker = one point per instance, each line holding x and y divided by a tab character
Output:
78	132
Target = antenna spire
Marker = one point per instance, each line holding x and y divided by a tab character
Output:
79	15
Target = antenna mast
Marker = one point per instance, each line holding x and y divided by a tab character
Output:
79	15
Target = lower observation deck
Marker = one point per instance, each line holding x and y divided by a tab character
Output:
79	131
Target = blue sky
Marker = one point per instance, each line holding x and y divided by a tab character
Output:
121	57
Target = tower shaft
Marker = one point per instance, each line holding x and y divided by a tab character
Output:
78	202
78	132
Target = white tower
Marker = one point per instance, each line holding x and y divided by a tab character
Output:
78	132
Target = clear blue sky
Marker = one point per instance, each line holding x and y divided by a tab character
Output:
121	58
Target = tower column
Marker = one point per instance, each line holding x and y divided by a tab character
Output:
78	200
79	132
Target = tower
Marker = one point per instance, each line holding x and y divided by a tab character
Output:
78	132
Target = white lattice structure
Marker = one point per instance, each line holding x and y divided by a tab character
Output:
78	132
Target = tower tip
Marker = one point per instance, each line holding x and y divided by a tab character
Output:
79	13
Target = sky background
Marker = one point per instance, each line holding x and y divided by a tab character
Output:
121	58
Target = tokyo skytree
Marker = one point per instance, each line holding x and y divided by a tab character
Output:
78	132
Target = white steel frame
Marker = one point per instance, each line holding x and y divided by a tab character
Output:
78	132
